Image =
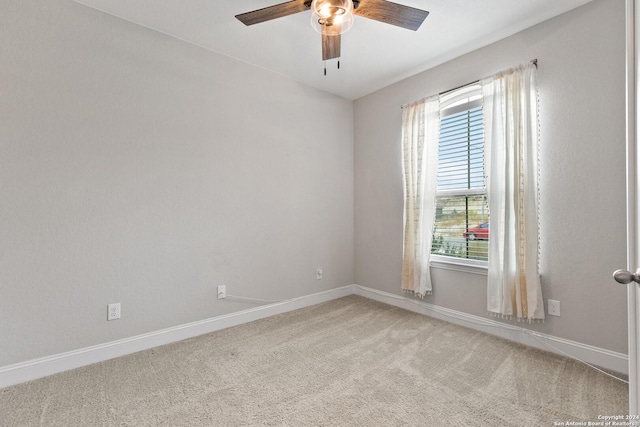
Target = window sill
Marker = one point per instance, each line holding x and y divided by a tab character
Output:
459	264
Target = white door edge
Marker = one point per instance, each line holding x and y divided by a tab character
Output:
632	55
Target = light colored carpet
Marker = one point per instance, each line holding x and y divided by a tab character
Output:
347	362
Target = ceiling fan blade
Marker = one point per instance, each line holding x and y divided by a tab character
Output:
273	12
392	13
330	42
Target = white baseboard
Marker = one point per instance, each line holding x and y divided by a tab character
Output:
603	358
38	368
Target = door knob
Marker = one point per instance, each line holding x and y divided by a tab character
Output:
626	277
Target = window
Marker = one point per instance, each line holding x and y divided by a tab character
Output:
461	228
446	189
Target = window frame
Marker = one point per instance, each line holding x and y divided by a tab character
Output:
450	104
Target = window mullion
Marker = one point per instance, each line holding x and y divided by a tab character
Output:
461	192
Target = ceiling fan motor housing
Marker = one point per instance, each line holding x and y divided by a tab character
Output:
356	3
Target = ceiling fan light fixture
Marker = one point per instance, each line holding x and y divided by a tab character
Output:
328	8
330	13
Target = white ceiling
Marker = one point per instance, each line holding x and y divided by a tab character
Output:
374	55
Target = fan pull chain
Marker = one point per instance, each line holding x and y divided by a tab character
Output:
325	67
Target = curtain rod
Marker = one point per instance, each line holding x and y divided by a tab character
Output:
533	61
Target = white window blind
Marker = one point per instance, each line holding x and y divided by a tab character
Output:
461	227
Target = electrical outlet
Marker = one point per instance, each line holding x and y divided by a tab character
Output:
554	307
113	311
222	292
319	274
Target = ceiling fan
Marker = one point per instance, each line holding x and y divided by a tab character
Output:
331	18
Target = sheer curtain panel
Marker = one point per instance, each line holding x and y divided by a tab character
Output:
420	133
511	144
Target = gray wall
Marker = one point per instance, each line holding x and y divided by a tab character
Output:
581	82
139	169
